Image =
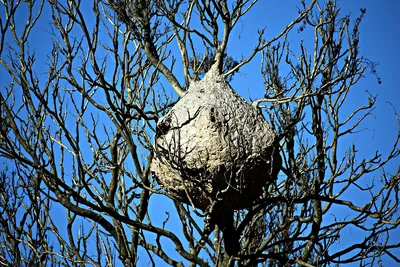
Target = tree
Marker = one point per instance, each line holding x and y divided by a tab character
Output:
77	135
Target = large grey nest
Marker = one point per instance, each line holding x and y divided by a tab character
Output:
214	145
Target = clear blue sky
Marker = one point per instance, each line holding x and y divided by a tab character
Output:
379	43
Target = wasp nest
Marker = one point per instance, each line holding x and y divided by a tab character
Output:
213	145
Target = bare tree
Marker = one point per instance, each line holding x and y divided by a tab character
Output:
77	135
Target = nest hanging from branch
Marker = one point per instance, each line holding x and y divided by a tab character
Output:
214	146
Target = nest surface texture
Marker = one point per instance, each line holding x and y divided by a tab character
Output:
213	145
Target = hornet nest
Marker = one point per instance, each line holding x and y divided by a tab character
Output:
214	146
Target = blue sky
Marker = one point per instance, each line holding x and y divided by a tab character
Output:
379	43
379	39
